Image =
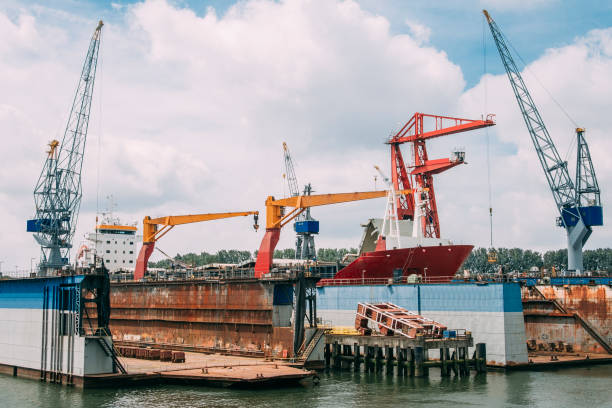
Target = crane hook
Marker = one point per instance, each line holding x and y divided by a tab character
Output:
255	219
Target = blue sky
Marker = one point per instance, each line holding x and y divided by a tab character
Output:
190	110
456	25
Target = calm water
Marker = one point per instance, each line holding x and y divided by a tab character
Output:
580	387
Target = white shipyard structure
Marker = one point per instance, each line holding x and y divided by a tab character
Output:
114	243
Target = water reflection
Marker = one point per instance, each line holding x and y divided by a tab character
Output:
575	387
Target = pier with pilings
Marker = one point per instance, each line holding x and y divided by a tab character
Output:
412	357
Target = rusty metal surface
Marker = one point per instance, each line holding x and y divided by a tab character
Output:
221	315
553	314
390	319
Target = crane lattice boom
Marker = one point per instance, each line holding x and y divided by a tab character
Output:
554	167
58	192
578	204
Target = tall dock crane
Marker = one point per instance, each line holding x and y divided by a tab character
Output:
579	204
304	226
155	228
58	192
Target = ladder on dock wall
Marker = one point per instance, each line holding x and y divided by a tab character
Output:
311	345
583	322
110	351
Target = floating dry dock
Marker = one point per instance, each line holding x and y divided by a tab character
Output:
56	329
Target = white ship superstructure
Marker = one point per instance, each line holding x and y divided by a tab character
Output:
113	242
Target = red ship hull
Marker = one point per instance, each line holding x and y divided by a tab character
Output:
432	263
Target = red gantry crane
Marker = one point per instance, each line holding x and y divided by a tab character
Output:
420	177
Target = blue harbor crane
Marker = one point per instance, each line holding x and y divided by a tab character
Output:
305	226
578	202
58	192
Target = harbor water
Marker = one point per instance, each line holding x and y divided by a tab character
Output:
573	387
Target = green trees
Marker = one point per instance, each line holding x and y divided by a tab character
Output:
516	259
223	256
512	259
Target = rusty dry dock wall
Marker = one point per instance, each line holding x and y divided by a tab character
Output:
546	322
221	315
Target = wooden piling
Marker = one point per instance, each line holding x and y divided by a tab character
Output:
443	362
336	355
419	357
399	356
356	357
367	358
481	357
410	358
455	365
389	360
378	358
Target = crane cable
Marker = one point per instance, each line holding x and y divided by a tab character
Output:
99	139
484	75
574	141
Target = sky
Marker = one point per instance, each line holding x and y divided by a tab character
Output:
193	100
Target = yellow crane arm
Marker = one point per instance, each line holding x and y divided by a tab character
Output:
151	233
275	218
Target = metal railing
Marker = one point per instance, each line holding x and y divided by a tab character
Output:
220	274
383	281
18	274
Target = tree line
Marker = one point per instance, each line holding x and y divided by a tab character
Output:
235	256
512	259
517	259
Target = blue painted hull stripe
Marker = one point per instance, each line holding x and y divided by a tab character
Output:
29	293
498	297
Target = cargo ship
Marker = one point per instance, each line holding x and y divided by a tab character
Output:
406	244
419	259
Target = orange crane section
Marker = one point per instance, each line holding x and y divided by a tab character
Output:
151	232
276	218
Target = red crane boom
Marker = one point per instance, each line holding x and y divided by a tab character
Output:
423	169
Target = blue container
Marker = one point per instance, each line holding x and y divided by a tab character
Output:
592	215
36	225
311	227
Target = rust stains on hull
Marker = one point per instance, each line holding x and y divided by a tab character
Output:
578	316
217	315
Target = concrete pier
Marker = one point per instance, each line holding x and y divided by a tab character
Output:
410	356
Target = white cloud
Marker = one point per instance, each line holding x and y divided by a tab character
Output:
419	31
191	112
578	75
516	4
